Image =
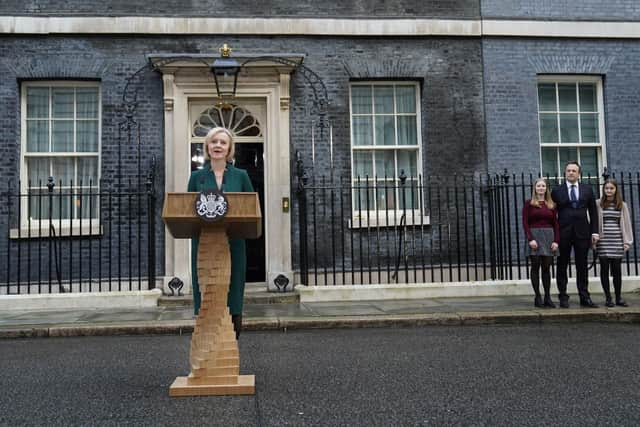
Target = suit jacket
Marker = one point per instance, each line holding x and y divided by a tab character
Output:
581	221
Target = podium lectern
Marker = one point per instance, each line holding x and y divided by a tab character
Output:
214	356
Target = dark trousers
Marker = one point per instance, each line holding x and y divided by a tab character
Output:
580	251
616	273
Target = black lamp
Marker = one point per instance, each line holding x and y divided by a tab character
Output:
225	71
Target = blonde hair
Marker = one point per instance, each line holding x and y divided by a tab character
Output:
213	132
547	195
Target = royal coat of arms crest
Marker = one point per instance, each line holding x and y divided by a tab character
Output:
211	205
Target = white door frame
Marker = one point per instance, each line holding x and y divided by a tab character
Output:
258	109
191	80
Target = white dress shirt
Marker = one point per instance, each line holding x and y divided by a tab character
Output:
577	190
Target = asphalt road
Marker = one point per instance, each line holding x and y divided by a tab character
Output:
558	374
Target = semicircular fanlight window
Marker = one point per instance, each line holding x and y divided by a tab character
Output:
239	120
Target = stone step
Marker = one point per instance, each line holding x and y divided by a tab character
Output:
175	301
256	293
253	294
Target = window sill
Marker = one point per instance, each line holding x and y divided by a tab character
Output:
393	221
64	231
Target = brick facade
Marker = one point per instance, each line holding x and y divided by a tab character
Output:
478	94
246	8
449	70
567	10
511	68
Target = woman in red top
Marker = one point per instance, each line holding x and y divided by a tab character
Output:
540	222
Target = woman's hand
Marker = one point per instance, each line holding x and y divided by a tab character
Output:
626	247
554	247
533	244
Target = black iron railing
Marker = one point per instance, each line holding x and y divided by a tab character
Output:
422	230
66	237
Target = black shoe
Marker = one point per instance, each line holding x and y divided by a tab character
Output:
236	319
621	303
588	303
564	302
548	302
538	301
609	303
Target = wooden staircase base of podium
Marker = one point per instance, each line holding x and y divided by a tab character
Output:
214	358
246	384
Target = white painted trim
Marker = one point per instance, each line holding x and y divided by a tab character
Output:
69	225
317	26
572	29
81	301
359	217
84	229
488	288
364	220
190	83
561	78
283	26
600	146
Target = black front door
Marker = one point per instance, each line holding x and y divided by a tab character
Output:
249	157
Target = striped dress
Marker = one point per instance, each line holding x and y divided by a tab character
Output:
610	243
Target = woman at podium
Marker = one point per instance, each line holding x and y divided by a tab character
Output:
218	173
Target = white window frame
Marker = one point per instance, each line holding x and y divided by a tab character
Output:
196	109
600	146
33	227
362	218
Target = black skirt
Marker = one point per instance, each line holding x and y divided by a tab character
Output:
544	237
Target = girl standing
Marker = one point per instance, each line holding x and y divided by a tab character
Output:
540	222
616	237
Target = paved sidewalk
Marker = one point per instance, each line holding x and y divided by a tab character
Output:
296	315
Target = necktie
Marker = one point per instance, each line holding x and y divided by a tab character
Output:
573	197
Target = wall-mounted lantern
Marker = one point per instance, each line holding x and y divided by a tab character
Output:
225	71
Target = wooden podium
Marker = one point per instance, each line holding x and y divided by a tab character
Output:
214	356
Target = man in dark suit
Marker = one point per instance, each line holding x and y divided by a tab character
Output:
577	230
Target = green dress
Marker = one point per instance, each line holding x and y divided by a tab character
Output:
234	180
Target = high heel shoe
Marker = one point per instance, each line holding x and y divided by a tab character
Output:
538	301
548	302
621	303
609	303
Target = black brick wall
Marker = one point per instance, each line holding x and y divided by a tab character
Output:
246	8
449	69
510	73
618	10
